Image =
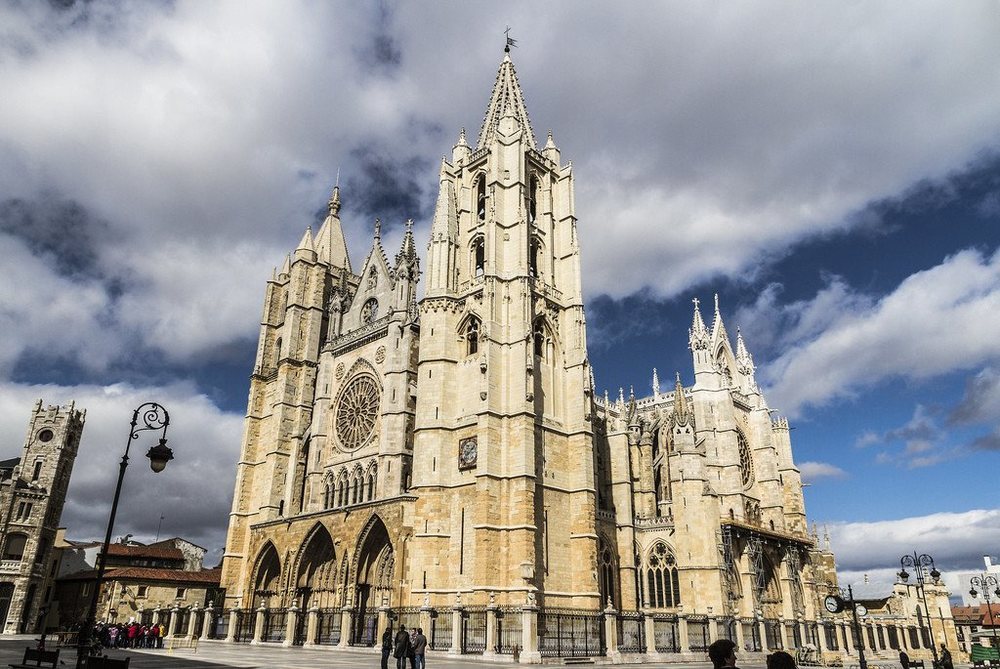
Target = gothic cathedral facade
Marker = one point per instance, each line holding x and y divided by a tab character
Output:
453	451
32	494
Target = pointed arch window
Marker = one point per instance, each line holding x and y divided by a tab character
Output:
531	198
277	350
372	279
480	190
372	478
478	256
369	311
37	471
472	336
606	566
746	460
533	253
659	578
538	334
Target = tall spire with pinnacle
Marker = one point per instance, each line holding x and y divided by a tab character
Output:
506	100
656	384
718	327
330	245
698	334
744	361
681	413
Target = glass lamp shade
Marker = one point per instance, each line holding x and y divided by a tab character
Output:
159	456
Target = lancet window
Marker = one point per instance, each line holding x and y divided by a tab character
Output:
478	256
533	253
608	571
480	190
659	582
472	336
538	333
531	198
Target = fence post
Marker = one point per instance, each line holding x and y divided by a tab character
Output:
156	615
346	614
803	633
258	625
529	632
291	620
491	631
611	633
741	642
682	634
234	621
312	622
206	621
782	637
192	620
384	621
821	636
762	626
650	625
425	618
713	629
456	628
172	625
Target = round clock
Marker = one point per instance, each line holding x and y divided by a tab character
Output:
468	452
832	604
861	610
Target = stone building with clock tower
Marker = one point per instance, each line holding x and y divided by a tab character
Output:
32	494
447	462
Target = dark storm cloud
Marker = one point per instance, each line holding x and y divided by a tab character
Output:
63	231
382	52
386	186
980	401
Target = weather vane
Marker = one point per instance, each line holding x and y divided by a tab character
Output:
510	40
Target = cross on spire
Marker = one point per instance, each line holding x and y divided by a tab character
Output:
510	41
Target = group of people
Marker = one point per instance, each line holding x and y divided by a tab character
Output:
945	661
132	634
722	653
407	647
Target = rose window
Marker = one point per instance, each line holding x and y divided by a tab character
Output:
357	412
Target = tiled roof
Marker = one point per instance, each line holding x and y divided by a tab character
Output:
976	615
205	576
160	552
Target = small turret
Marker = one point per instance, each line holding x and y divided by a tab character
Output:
698	334
550	151
719	334
329	244
744	364
656	385
306	250
682	415
461	150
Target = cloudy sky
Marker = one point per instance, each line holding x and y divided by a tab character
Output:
831	169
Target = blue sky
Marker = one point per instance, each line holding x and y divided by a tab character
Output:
831	170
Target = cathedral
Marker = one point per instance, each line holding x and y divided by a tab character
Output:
447	462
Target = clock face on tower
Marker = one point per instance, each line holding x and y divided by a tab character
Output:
832	604
468	453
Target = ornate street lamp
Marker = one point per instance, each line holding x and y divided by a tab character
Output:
152	417
984	583
918	563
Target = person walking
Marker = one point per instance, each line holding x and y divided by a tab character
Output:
409	653
386	646
904	659
420	648
401	647
946	662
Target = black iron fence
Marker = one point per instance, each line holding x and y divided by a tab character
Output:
699	638
244	626
218	628
473	630
793	634
440	635
508	630
408	616
726	628
328	627
570	633
275	624
631	632
180	621
665	635
751	635
363	628
772	634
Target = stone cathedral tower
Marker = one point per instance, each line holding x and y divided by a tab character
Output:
32	494
504	468
448	461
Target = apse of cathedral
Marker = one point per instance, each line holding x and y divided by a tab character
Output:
451	453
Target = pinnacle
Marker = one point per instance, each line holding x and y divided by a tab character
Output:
334	202
506	100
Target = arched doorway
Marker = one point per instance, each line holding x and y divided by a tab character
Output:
6	593
315	582
266	579
374	578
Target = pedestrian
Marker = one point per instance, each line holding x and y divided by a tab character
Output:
420	648
401	647
160	633
386	646
409	653
946	662
780	660
904	659
722	653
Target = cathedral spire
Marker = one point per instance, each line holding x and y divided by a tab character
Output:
718	327
681	413
330	245
698	334
506	100
656	384
744	360
408	249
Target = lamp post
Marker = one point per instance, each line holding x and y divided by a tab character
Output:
919	563
148	416
984	583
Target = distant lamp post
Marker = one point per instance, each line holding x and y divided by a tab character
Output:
148	416
984	583
918	563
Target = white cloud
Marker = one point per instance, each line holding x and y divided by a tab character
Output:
194	492
955	540
931	324
714	141
813	471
